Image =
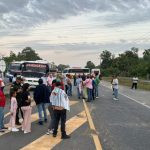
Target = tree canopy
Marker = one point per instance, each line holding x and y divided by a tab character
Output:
126	64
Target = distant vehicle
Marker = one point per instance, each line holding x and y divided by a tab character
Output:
32	71
14	68
95	71
76	70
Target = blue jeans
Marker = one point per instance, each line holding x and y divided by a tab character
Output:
96	90
79	94
42	107
1	118
116	93
89	92
69	90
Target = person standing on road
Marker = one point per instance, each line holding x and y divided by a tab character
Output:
97	82
2	105
74	79
134	82
115	86
69	85
79	87
88	84
26	108
49	81
41	94
13	109
60	103
17	86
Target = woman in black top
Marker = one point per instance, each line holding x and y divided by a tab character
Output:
26	108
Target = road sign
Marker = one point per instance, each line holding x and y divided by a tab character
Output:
2	65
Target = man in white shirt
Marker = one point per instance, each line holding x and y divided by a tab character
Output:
60	104
115	86
134	82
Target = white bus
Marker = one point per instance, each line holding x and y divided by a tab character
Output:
32	71
76	70
95	71
14	68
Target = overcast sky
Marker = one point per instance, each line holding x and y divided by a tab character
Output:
74	31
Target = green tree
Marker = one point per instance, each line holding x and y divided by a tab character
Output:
106	57
28	54
12	57
146	54
61	67
90	65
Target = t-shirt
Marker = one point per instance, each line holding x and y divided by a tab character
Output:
135	80
115	83
24	97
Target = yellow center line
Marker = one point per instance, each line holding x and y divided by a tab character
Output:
92	127
48	142
34	117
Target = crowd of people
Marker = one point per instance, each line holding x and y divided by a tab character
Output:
51	93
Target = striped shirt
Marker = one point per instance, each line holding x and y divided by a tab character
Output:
59	98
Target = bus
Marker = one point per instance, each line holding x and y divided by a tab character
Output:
14	68
95	71
32	71
76	70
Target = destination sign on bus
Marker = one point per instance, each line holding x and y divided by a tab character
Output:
36	65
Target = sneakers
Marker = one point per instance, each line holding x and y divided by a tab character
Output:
14	130
65	137
49	132
116	99
25	132
40	122
2	131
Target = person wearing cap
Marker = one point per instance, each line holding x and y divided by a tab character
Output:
17	86
41	97
60	103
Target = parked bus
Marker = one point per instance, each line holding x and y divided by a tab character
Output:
32	71
95	71
14	68
76	70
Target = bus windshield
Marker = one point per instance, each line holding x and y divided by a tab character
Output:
32	74
15	66
35	67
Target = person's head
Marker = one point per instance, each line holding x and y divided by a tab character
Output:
40	81
58	84
96	74
13	93
26	87
18	79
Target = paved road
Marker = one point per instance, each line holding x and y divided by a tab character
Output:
120	125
